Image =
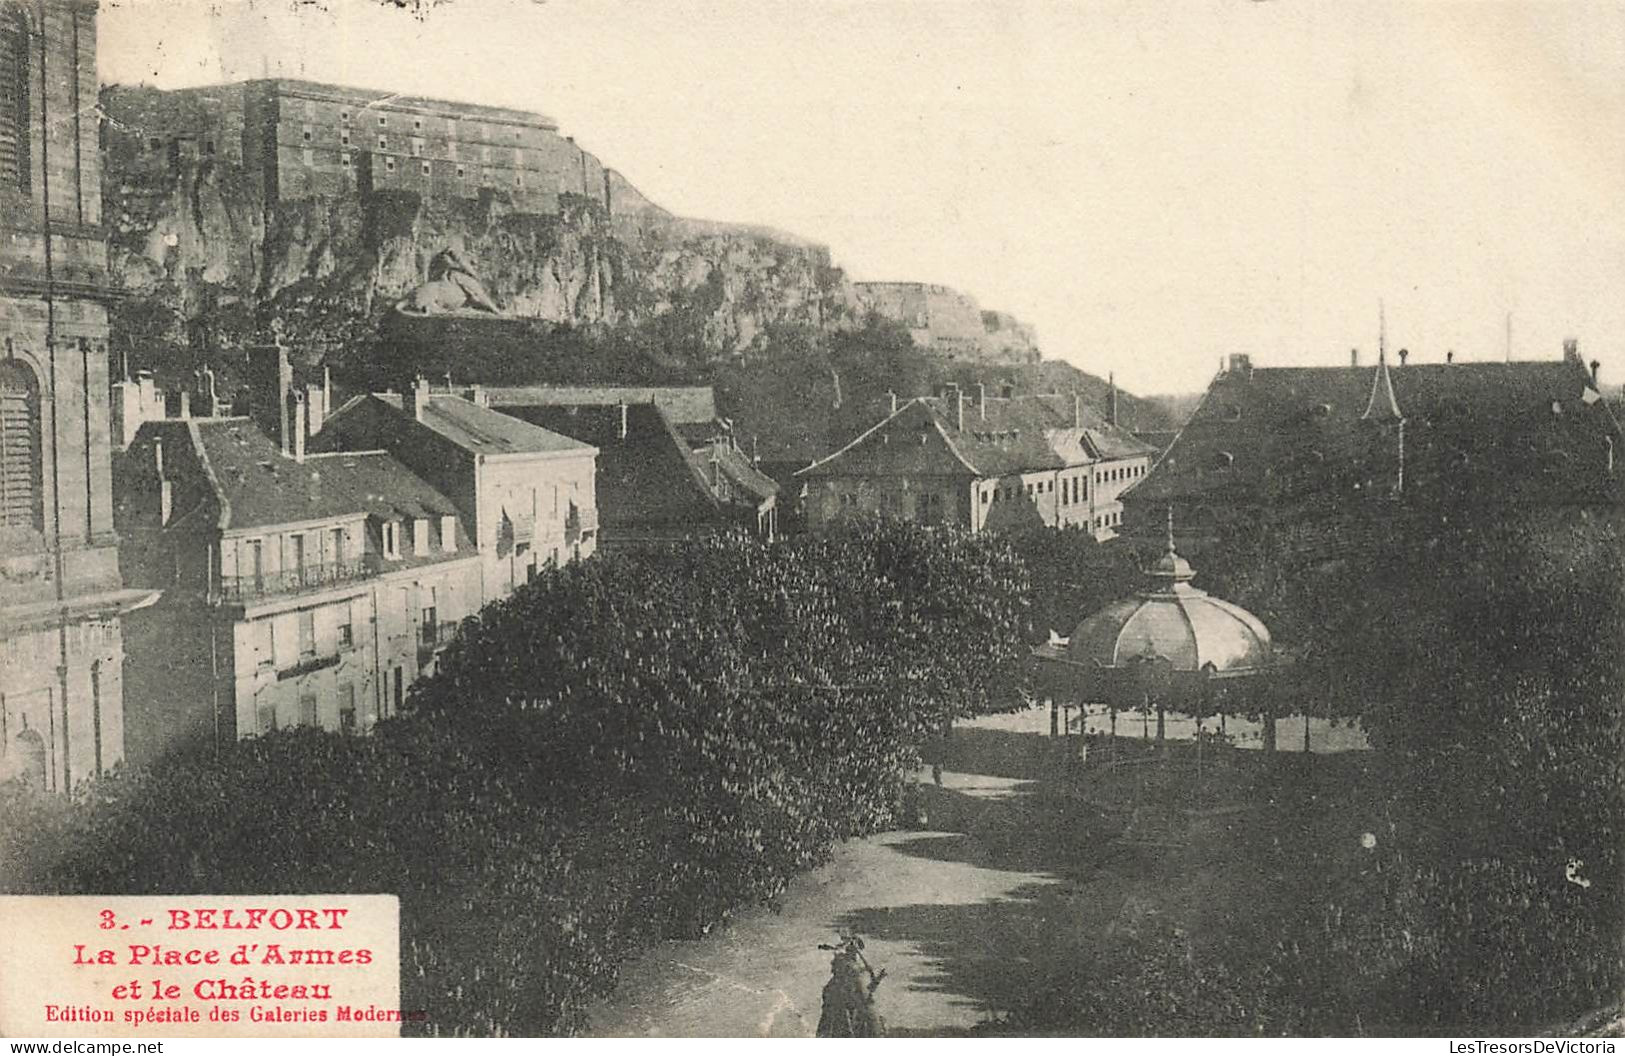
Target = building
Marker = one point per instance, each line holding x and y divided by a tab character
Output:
1331	458
983	462
300	139
526	494
750	496
297	589
62	598
651	489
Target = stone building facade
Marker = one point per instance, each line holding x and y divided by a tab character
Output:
526	493
302	139
298	590
982	462
61	593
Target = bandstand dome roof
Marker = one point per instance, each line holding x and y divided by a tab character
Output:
1175	622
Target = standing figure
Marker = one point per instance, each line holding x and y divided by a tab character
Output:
849	996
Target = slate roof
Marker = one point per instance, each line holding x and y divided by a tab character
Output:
737	468
996	437
1493	431
255	485
483	429
647	479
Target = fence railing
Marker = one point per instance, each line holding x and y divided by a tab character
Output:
296	580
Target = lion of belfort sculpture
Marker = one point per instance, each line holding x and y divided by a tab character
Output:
452	289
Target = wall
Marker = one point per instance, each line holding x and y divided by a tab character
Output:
81	736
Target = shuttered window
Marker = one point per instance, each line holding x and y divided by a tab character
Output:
20	489
16	169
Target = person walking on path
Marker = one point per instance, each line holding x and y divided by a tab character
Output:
849	997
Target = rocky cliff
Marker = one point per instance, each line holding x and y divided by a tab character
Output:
209	263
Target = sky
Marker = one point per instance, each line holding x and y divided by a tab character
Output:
1151	185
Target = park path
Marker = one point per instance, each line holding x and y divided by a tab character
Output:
762	974
965	916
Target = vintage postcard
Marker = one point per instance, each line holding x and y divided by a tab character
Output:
861	518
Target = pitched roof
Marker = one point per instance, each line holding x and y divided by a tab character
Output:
990	437
483	429
1490	430
645	478
257	486
736	468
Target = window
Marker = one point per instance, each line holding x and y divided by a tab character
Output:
461	174
296	555
308	157
335	545
307	134
344	159
389	164
251	562
344	138
265	713
448	533
208	146
429	624
266	646
400	688
383	142
307	634
383	122
22	502
392	540
347	707
344	115
420	535
417	123
425	167
307	709
417	146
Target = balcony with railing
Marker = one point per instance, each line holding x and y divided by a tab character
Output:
302	580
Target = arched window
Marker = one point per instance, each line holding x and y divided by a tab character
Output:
16	116
21	498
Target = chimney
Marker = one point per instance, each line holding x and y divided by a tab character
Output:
1241	363
186	403
1354	357
892	396
211	395
166	491
1007	390
1404	354
299	425
1077	409
477	396
327	388
270	383
420	396
316	409
1111	400
1450	356
981	399
959	410
1571	350
622	405
1596	370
